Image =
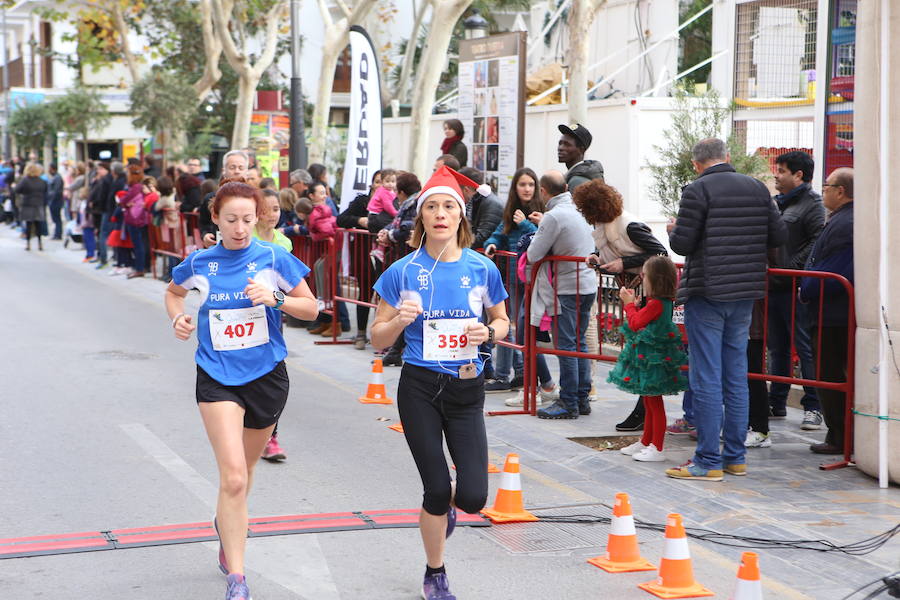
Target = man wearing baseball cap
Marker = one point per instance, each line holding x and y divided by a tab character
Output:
575	141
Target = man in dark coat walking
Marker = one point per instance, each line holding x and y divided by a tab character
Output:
726	224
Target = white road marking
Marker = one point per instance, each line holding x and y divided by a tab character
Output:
295	562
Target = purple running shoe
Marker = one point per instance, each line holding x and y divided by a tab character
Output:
237	588
436	587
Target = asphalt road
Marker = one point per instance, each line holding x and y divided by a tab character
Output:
100	431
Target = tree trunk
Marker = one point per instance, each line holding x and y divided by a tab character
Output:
405	72
122	29
337	36
212	47
581	17
247	83
444	16
249	74
331	50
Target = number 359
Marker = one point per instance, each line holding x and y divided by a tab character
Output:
452	341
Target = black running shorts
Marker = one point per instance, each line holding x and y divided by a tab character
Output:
262	399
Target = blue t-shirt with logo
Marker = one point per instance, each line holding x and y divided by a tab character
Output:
220	275
450	290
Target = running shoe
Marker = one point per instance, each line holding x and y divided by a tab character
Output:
359	342
223	564
237	588
273	452
633	449
680	427
436	587
496	385
451	521
756	439
557	410
691	471
649	454
812	420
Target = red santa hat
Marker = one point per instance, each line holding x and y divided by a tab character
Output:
447	181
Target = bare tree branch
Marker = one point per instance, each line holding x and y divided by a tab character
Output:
408	57
212	47
122	29
272	23
326	14
222	10
343	7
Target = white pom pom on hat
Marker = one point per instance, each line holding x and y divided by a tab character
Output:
447	181
484	189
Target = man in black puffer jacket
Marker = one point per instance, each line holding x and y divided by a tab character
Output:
726	224
804	216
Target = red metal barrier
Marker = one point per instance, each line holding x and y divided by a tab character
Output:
177	241
611	317
356	271
349	277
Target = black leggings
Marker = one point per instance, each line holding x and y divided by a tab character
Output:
434	406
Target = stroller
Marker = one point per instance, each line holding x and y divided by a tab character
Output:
72	233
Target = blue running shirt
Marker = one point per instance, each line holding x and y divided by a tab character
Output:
220	275
451	290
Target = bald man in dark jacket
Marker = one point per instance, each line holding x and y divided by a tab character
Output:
726	224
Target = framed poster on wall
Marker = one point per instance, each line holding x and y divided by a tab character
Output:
492	105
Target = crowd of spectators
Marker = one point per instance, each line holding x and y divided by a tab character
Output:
729	229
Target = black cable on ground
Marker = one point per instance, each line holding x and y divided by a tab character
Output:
859	548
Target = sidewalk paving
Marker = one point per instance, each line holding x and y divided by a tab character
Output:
784	496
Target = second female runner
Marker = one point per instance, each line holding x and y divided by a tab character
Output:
436	296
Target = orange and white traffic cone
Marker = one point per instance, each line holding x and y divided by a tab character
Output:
622	553
376	393
676	575
508	506
748	587
491	468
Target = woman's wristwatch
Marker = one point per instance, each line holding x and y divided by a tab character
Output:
279	298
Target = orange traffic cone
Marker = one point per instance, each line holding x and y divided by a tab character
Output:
508	507
376	392
491	468
748	585
398	427
622	553
676	575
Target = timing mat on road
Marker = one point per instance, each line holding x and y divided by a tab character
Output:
140	537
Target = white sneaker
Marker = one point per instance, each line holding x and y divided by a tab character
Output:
114	271
633	448
545	399
756	439
551	396
649	454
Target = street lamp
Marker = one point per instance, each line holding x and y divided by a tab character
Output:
297	141
475	25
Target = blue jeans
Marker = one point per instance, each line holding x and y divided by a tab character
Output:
106	226
574	373
141	248
687	404
56	214
543	371
509	360
778	339
90	244
718	332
